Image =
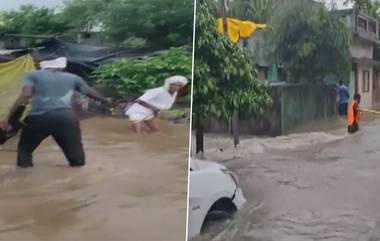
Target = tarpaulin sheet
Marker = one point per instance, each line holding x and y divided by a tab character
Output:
11	75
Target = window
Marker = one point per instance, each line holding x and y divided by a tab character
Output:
365	81
372	27
362	23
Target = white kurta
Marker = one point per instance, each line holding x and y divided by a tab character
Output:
159	98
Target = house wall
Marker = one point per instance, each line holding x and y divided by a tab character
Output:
260	47
376	92
362	49
366	97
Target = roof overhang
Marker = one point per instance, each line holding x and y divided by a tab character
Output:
365	61
362	36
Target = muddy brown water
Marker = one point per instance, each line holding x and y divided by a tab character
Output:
309	186
134	187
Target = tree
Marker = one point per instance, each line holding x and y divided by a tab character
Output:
124	23
310	42
258	11
164	23
224	76
361	4
84	15
161	23
33	20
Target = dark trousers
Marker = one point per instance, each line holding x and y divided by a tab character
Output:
62	125
343	109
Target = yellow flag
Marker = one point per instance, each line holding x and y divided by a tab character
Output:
247	29
233	29
238	29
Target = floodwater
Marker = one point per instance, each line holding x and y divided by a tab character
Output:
306	186
132	188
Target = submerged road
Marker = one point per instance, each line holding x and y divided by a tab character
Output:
303	187
132	188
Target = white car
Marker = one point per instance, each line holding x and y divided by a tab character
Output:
213	189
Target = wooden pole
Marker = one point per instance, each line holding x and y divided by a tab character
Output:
235	114
224	15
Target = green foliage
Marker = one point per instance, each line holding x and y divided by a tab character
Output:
160	23
371	7
33	20
134	23
164	23
258	11
84	14
310	42
130	78
361	4
133	43
224	77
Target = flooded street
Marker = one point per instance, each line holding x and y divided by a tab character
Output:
132	188
303	187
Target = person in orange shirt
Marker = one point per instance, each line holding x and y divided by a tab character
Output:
353	118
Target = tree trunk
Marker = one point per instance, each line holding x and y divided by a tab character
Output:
199	134
235	127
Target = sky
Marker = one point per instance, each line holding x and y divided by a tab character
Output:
6	5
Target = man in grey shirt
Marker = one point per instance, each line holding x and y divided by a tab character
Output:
50	91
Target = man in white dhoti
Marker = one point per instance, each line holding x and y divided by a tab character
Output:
146	108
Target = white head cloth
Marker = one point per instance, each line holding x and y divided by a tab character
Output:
59	63
175	79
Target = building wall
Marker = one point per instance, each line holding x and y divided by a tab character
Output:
360	48
376	92
367	98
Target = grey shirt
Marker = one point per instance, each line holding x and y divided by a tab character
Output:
53	90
